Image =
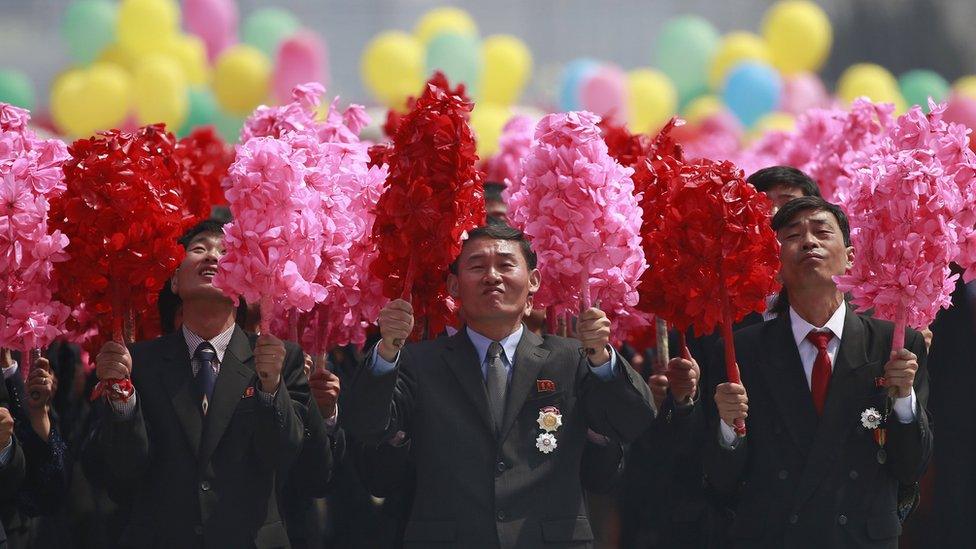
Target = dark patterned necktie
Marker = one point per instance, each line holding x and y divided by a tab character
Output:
206	377
497	383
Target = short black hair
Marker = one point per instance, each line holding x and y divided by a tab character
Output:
493	191
500	231
806	203
785	176
208	226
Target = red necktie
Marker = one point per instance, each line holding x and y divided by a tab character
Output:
820	380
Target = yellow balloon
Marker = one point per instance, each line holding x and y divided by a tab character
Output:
651	98
160	92
118	55
735	48
392	67
506	67
84	101
701	108
191	54
773	122
444	19
241	79
798	34
872	81
145	26
966	86
487	121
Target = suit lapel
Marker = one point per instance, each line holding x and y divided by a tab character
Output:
783	371
236	373
462	360
176	375
529	359
850	382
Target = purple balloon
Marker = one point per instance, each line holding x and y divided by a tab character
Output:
214	22
301	58
604	93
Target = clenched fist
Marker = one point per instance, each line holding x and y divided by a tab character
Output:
900	372
683	377
593	329
40	389
325	390
732	402
396	324
658	383
113	362
269	359
6	427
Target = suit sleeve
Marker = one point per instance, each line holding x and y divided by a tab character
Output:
12	474
601	466
383	468
377	406
723	466
911	443
279	432
311	473
46	482
620	407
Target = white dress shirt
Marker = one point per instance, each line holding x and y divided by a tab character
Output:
903	408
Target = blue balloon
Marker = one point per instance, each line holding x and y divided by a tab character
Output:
752	90
573	76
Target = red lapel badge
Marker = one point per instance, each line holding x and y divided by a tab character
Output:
248	393
545	386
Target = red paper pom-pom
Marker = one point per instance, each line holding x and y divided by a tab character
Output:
123	212
432	196
626	148
712	233
206	158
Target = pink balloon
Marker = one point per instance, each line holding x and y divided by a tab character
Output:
962	110
301	58
802	92
605	93
213	21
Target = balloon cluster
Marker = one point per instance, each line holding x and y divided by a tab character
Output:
140	62
495	70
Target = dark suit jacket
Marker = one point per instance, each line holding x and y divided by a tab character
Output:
804	481
11	475
478	490
203	481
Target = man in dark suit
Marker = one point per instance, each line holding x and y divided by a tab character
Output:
496	416
201	448
813	469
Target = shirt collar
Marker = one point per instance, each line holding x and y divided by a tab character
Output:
9	371
219	342
835	324
509	343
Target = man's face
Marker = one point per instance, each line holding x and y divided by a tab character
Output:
496	209
194	277
781	194
493	281
812	251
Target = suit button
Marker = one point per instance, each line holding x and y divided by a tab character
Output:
853	474
198	530
794	519
501	467
783	474
502	515
842	520
204	486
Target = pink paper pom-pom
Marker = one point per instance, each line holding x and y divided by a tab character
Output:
513	146
578	206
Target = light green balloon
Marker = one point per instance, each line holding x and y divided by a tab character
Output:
203	111
683	51
458	56
16	89
228	126
918	85
266	28
88	28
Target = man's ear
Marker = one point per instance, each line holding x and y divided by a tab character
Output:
453	286
850	257
173	287
535	281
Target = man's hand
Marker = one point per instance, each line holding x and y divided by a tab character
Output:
732	402
658	383
308	365
593	329
900	372
927	336
269	359
325	390
6	427
396	324
113	362
683	377
40	389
